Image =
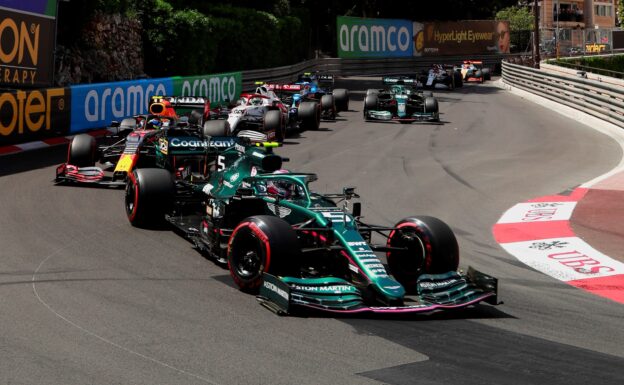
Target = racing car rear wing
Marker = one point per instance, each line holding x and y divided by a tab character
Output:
326	79
284	87
183	101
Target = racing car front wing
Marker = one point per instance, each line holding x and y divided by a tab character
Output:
452	290
416	116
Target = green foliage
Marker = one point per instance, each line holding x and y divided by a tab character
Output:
520	18
178	41
611	63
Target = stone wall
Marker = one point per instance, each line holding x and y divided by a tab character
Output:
109	48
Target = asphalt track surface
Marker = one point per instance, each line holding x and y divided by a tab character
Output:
86	298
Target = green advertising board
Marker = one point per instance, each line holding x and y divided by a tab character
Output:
361	38
219	88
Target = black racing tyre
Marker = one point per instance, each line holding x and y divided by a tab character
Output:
486	74
459	81
341	98
149	196
427	94
196	117
328	104
261	243
216	128
371	102
431	248
372	92
309	114
82	151
273	122
431	104
479	75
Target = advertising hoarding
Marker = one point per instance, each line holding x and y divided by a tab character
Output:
40	7
463	38
34	114
26	49
97	105
219	88
363	38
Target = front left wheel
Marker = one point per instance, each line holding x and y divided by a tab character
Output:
82	151
259	244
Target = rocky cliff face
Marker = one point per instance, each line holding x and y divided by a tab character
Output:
109	48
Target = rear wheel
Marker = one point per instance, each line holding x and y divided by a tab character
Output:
459	81
149	196
309	113
430	247
216	128
273	122
328	105
259	244
82	151
341	97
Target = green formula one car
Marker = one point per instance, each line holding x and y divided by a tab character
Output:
299	249
400	101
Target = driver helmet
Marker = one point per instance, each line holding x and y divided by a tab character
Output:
257	101
281	188
154	123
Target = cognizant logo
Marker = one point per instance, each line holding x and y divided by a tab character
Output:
120	101
374	38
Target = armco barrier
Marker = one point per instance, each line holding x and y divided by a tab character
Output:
593	97
91	106
362	67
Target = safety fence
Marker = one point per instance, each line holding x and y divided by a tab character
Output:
362	67
594	97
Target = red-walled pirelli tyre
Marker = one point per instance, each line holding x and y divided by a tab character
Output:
430	248
258	244
82	151
149	196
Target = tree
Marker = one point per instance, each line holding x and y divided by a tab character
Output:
520	18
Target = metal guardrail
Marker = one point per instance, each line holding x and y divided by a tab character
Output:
593	97
361	67
568	64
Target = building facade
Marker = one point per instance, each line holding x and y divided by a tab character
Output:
576	24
